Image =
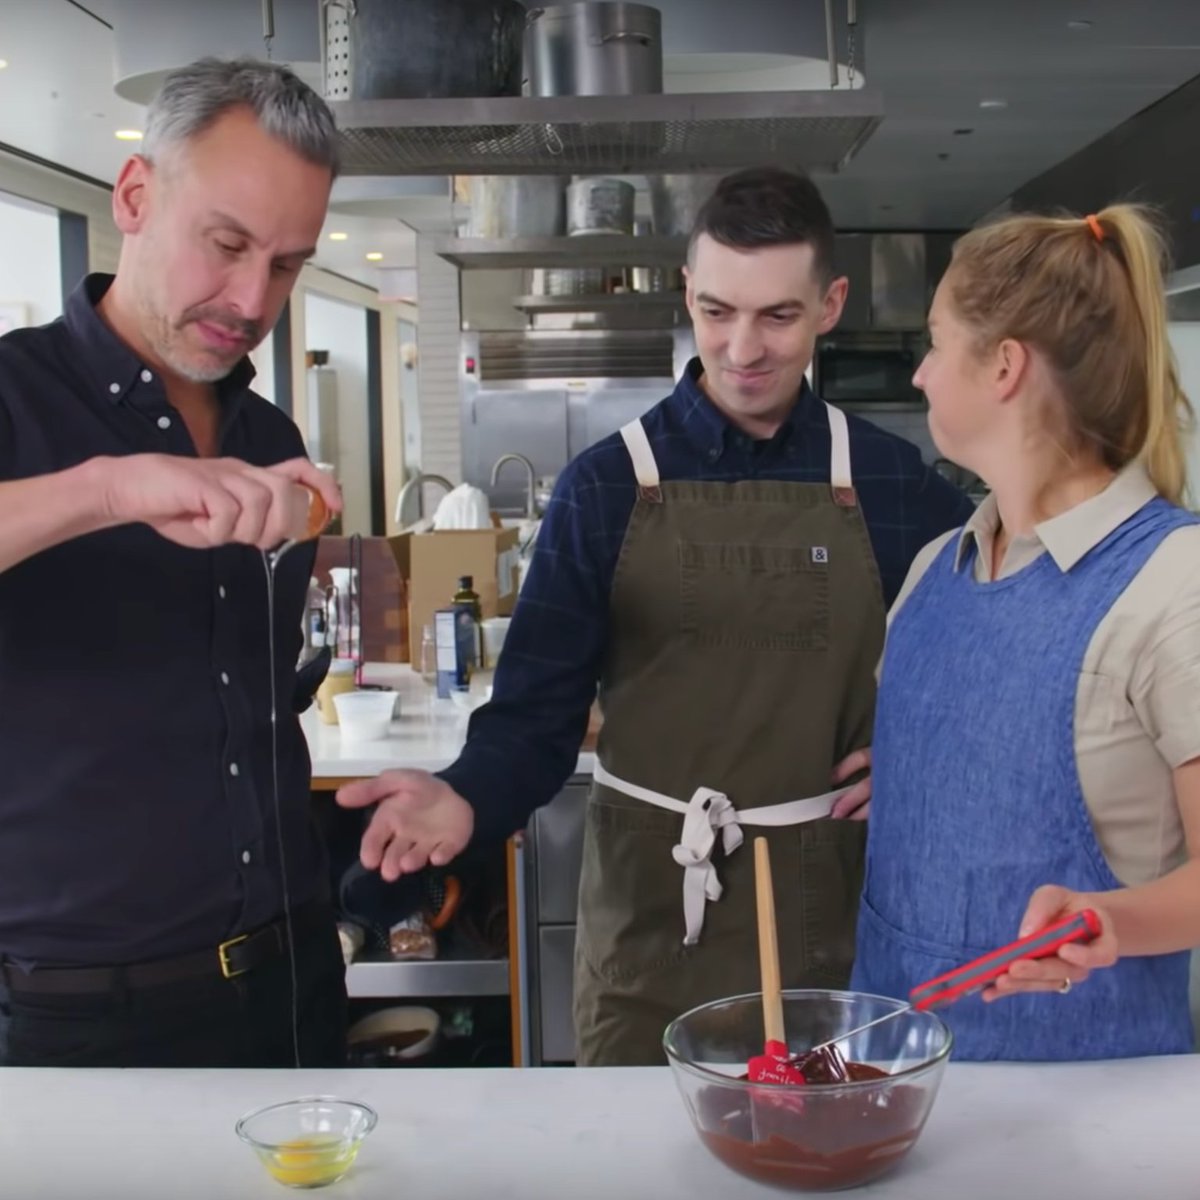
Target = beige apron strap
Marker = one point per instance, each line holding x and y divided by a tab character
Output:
840	478
644	466
704	816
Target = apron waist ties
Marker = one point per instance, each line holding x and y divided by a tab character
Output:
707	813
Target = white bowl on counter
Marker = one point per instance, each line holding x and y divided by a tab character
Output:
365	716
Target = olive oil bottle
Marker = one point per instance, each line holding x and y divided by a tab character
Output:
466	598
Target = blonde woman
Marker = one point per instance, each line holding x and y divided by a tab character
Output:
1037	738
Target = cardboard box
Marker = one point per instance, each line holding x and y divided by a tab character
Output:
438	560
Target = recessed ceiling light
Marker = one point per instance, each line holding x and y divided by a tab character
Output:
128	135
338	236
1079	26
3	63
374	256
994	102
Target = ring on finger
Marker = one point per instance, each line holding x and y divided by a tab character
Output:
1065	987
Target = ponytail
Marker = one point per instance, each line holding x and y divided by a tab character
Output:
1142	249
1088	294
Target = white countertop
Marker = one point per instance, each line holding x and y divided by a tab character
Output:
1105	1131
428	734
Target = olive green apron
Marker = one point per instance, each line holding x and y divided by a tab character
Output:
746	623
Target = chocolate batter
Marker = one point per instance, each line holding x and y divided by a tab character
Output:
844	1139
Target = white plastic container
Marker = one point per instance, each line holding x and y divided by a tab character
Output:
495	630
365	716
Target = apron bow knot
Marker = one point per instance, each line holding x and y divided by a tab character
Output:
707	813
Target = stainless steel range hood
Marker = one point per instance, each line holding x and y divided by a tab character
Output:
892	278
524	135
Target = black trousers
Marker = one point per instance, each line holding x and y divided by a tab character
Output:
203	1022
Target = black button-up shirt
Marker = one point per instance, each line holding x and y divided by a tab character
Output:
137	811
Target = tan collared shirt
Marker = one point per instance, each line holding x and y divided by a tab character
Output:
1137	709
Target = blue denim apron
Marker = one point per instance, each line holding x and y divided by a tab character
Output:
977	801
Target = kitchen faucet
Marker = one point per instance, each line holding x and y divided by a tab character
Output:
530	511
414	484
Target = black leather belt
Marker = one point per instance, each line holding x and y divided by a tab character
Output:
230	959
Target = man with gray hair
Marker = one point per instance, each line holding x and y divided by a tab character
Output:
163	894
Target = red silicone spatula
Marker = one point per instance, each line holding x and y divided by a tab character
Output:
774	1064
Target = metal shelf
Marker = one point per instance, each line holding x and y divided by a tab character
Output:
587	250
619	302
564	135
370	979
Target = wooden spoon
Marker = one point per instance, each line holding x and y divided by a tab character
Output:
773	1065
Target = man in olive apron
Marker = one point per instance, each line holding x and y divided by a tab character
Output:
720	571
743	689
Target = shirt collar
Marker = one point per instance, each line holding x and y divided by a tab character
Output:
117	371
1071	535
707	427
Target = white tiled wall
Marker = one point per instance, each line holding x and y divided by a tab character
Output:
438	341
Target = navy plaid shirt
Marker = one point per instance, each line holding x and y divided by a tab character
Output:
523	746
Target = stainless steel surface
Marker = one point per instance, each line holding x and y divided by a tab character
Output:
486	254
870	369
892	278
676	200
1183	294
899	282
589	135
524	1014
600	206
554	852
558	857
389	49
600	413
495	421
569	357
531	484
441	977
830	47
565	282
414	485
550	395
643	279
510	206
593	49
648	303
556	990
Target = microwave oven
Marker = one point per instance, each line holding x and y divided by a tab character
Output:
870	373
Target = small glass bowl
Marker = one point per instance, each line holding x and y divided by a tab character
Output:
309	1142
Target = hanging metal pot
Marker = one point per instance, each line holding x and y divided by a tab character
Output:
510	206
600	206
594	49
408	49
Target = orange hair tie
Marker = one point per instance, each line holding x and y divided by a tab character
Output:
1095	226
